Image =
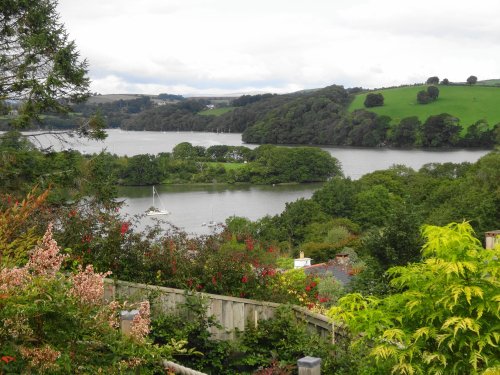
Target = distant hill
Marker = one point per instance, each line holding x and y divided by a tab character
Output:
109	98
468	103
489	82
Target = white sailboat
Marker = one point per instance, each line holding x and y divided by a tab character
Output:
155	211
211	223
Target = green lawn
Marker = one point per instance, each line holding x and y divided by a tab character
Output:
468	103
216	111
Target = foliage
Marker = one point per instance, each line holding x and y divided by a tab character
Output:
467	103
433	92
398	243
434	80
192	324
428	96
444	317
282	338
299	118
329	290
374	100
55	322
440	131
41	68
373	206
336	197
423	97
471	80
405	134
17	235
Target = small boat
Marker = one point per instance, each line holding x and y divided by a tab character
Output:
155	211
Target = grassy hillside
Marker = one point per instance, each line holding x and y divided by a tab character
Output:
215	111
468	103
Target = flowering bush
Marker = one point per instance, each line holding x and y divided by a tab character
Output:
53	323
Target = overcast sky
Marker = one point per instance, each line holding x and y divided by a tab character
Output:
219	47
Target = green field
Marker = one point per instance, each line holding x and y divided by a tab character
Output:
216	111
468	103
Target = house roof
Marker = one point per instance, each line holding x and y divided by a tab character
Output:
339	271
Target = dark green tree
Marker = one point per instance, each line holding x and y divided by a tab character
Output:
423	97
374	100
433	92
399	242
336	197
434	80
373	206
142	170
40	67
472	80
427	96
297	216
445	81
405	133
441	131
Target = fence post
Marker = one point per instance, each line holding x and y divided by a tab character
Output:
309	366
126	318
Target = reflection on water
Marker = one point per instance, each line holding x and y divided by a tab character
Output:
193	205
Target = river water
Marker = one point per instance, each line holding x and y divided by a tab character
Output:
191	206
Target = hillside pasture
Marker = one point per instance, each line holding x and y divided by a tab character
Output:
215	111
468	103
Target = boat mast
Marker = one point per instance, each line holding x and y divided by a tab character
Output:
153	196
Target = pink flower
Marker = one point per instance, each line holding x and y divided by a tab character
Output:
42	359
244	279
141	322
88	286
11	278
45	259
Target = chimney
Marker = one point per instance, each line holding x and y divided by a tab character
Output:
491	239
342	259
301	256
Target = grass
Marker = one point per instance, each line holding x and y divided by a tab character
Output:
468	103
215	111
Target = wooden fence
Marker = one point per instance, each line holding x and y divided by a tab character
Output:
230	312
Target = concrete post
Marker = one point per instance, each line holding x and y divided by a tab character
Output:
126	318
309	366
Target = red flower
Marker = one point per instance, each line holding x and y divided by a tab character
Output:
72	213
244	279
199	286
124	228
249	244
8	358
310	306
190	283
308	288
214	280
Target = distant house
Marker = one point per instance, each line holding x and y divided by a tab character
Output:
210	106
340	268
